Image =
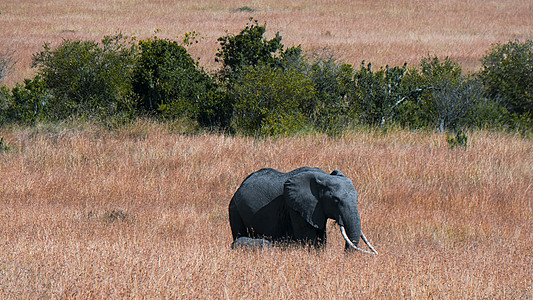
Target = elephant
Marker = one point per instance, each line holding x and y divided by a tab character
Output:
272	207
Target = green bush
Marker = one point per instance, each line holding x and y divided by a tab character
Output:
162	74
444	98
5	104
507	72
374	95
454	103
459	140
250	48
263	88
89	78
488	114
271	101
4	147
331	80
169	82
215	111
436	94
32	102
244	56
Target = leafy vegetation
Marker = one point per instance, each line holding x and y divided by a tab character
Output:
3	146
271	101
374	95
86	77
168	81
265	88
250	48
459	140
33	102
508	75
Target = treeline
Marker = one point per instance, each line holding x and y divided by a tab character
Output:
265	88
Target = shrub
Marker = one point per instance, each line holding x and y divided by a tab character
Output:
263	88
459	140
331	80
4	147
507	72
374	95
5	104
444	98
87	77
161	72
454	103
486	113
250	48
32	102
215	110
243	57
170	82
271	100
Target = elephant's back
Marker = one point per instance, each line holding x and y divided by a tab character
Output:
259	189
262	187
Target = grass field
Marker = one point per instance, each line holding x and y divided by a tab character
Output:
381	32
142	213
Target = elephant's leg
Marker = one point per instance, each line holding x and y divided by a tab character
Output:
238	228
304	232
322	238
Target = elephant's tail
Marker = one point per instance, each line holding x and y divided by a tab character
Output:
345	236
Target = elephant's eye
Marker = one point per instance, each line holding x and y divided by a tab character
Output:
336	200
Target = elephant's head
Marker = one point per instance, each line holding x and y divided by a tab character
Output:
318	196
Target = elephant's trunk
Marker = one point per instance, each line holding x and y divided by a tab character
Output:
350	243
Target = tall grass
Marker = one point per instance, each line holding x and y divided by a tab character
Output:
381	32
142	212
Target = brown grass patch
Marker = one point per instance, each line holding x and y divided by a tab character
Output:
142	212
381	32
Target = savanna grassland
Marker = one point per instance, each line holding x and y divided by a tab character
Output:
380	32
141	212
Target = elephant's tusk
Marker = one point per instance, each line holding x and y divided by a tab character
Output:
368	243
345	236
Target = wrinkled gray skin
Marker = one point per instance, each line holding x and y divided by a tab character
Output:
249	243
271	206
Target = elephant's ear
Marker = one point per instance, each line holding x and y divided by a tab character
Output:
337	173
302	193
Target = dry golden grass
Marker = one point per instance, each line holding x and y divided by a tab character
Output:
382	32
142	213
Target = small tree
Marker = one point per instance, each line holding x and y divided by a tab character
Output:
507	72
374	95
454	103
32	102
88	77
170	82
250	48
332	80
271	101
444	98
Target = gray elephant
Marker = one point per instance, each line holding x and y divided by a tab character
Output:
275	207
250	243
